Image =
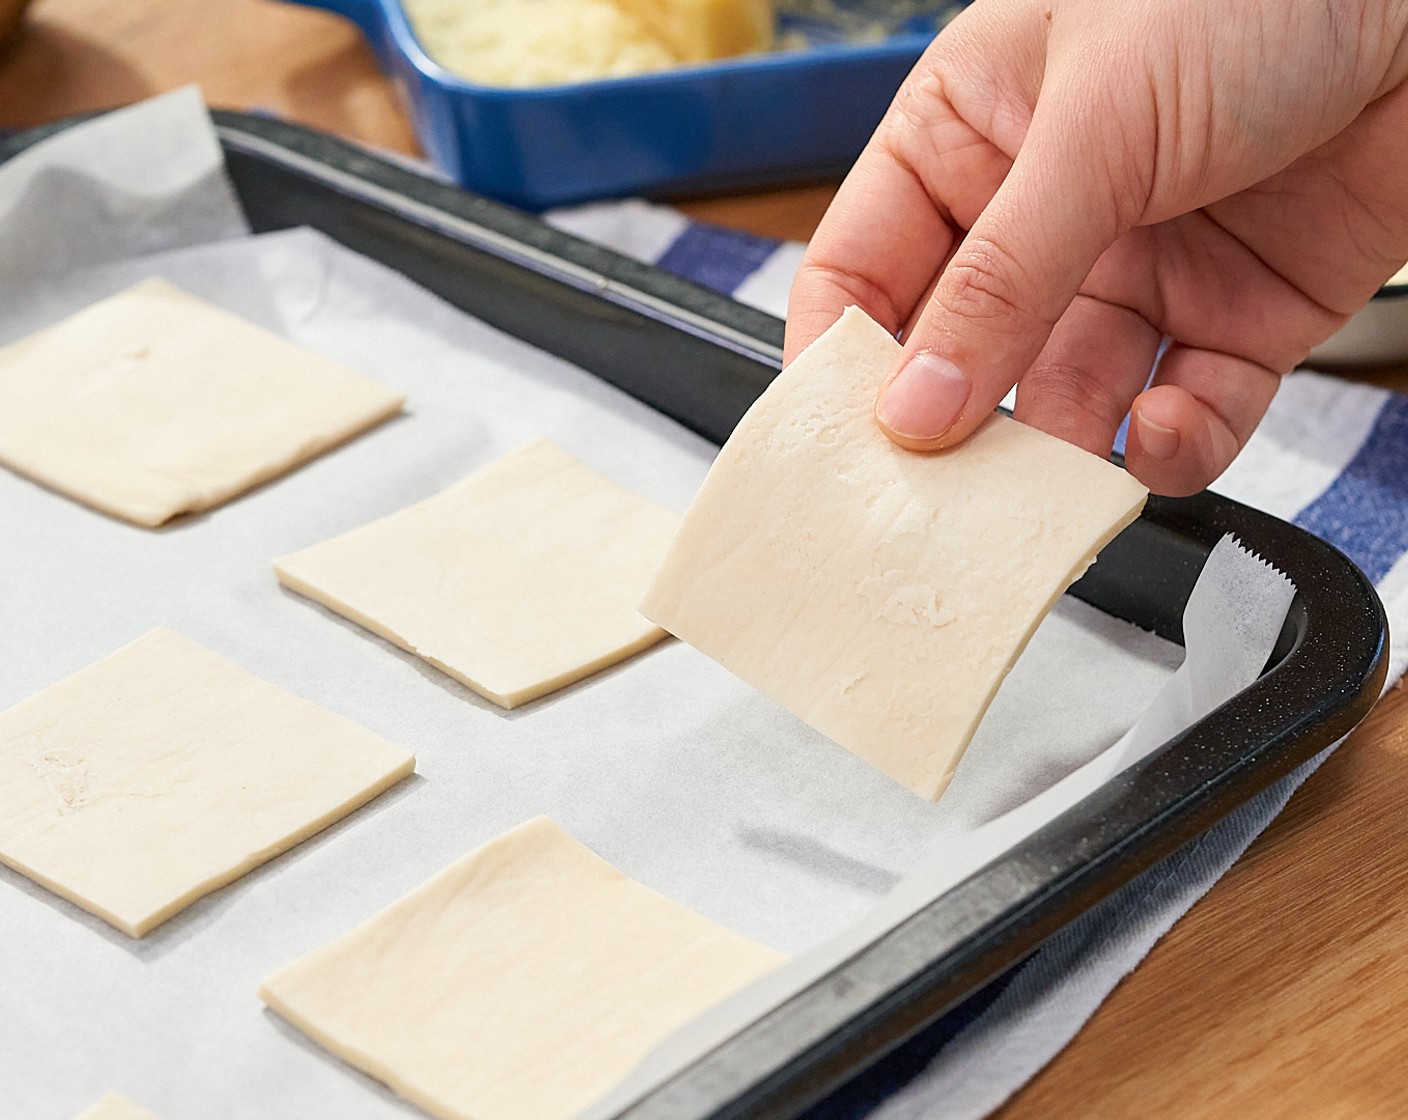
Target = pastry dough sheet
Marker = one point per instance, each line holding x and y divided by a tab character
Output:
114	1106
153	403
880	594
520	983
163	771
517	581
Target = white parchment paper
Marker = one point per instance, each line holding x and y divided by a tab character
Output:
680	775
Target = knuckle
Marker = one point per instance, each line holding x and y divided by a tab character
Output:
845	286
909	131
921	92
1072	389
985	283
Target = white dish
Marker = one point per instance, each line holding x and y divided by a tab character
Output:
1376	335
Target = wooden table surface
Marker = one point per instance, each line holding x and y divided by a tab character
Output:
1282	993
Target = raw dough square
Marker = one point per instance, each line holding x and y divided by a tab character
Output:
154	403
114	1106
163	771
521	983
880	594
517	581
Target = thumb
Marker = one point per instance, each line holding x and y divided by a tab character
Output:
1013	276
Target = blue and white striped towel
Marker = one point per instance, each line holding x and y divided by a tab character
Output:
1331	456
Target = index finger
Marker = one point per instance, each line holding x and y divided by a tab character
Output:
878	247
888	233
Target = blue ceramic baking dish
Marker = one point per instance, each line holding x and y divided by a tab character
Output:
745	122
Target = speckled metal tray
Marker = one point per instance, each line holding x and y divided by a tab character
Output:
702	359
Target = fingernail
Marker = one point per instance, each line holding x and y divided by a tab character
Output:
925	398
1155	440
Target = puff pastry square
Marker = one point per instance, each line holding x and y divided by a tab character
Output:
154	403
521	983
163	771
521	579
881	594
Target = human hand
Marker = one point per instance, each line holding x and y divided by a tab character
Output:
1061	183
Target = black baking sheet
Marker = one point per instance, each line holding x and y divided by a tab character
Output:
702	359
